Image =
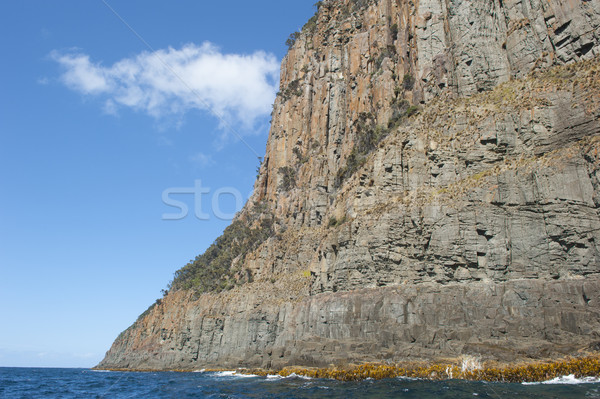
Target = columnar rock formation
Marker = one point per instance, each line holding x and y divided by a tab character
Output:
432	170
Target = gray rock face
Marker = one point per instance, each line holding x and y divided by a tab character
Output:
502	321
512	196
473	227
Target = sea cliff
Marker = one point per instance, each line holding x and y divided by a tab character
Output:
431	190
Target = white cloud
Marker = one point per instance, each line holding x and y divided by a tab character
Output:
241	88
81	74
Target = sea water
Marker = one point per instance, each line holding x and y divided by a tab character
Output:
84	383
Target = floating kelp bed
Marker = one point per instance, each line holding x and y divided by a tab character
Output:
579	367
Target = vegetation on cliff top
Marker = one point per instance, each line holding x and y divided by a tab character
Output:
220	267
311	25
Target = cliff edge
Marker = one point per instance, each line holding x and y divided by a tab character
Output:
430	189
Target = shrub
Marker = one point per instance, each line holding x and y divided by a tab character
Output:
302	159
412	110
291	40
353	163
333	222
408	81
359	4
388	52
260	162
394	32
293	89
397	91
288	180
398	113
401	110
213	271
311	25
368	136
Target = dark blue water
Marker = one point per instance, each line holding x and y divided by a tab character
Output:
82	383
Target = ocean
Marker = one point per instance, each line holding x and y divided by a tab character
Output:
84	383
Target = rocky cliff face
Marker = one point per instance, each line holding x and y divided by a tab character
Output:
433	169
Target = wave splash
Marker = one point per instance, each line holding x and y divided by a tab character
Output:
567	380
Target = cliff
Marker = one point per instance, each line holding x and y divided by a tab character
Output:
430	190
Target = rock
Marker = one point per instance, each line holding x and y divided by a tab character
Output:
470	226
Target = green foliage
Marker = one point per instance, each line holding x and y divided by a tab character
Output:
260	162
293	89
412	110
333	222
354	161
401	109
311	24
212	271
302	159
291	40
359	4
394	31
354	6
288	178
368	136
408	81
388	52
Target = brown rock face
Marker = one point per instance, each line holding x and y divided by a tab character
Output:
433	167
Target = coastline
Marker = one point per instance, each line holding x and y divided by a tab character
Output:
539	371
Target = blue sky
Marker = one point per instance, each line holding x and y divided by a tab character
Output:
94	127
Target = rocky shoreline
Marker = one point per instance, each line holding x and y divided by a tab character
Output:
463	369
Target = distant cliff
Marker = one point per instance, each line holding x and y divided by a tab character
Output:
430	189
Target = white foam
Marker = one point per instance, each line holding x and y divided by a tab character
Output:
233	374
567	380
294	375
245	375
224	373
409	378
